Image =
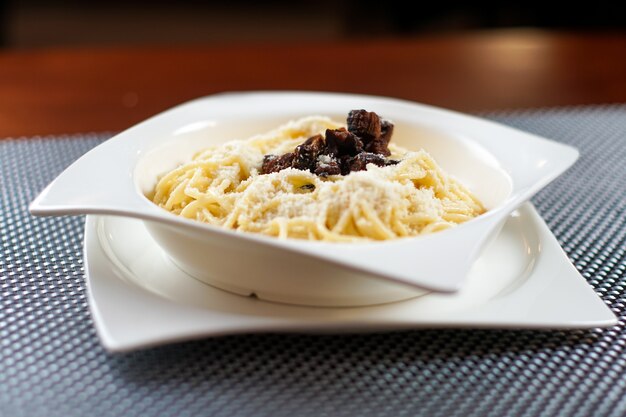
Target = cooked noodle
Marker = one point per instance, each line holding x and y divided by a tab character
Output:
222	186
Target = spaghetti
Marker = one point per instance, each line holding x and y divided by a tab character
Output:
223	186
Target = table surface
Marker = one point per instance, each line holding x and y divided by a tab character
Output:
51	361
52	364
56	91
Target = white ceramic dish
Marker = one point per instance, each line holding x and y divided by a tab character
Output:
504	167
138	298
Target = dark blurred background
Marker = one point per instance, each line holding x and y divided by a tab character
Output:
39	23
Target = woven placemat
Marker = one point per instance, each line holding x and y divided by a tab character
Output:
51	363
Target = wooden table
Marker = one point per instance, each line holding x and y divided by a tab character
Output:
107	89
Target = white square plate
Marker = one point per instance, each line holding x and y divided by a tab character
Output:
138	298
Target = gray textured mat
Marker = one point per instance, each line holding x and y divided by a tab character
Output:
51	363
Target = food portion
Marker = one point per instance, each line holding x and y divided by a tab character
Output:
340	151
316	179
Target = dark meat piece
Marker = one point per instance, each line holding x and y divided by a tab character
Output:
328	167
307	153
364	124
344	164
374	132
342	142
379	147
340	151
391	162
380	144
386	130
359	162
275	163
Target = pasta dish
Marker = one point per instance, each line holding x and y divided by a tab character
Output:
315	179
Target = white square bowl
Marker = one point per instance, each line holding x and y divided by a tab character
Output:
503	166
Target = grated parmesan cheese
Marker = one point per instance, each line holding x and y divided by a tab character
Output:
222	186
